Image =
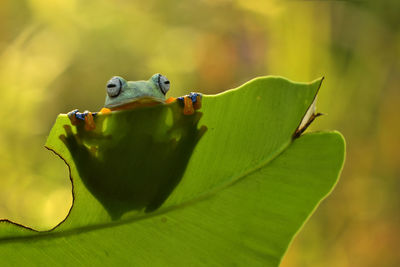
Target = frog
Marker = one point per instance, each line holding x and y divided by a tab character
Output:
125	95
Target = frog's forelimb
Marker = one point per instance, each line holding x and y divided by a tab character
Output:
88	117
191	102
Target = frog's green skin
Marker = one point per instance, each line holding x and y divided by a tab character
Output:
121	92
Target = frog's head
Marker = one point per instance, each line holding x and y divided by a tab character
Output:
121	92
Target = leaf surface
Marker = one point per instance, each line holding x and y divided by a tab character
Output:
152	186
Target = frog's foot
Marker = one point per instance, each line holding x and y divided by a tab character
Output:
89	121
192	102
72	117
88	117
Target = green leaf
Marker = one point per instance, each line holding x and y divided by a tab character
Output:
151	186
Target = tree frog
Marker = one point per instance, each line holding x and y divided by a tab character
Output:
122	95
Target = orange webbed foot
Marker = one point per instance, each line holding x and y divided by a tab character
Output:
72	117
188	108
88	117
197	104
89	121
191	103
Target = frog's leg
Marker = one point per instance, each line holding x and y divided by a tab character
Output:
191	102
75	117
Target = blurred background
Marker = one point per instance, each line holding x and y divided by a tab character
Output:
56	55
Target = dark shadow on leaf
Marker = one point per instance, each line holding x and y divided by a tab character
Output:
134	159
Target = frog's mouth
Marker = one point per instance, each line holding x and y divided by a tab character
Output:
136	103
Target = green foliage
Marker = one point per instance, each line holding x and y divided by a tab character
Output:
152	186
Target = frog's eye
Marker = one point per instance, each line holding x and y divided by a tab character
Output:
163	83
114	86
